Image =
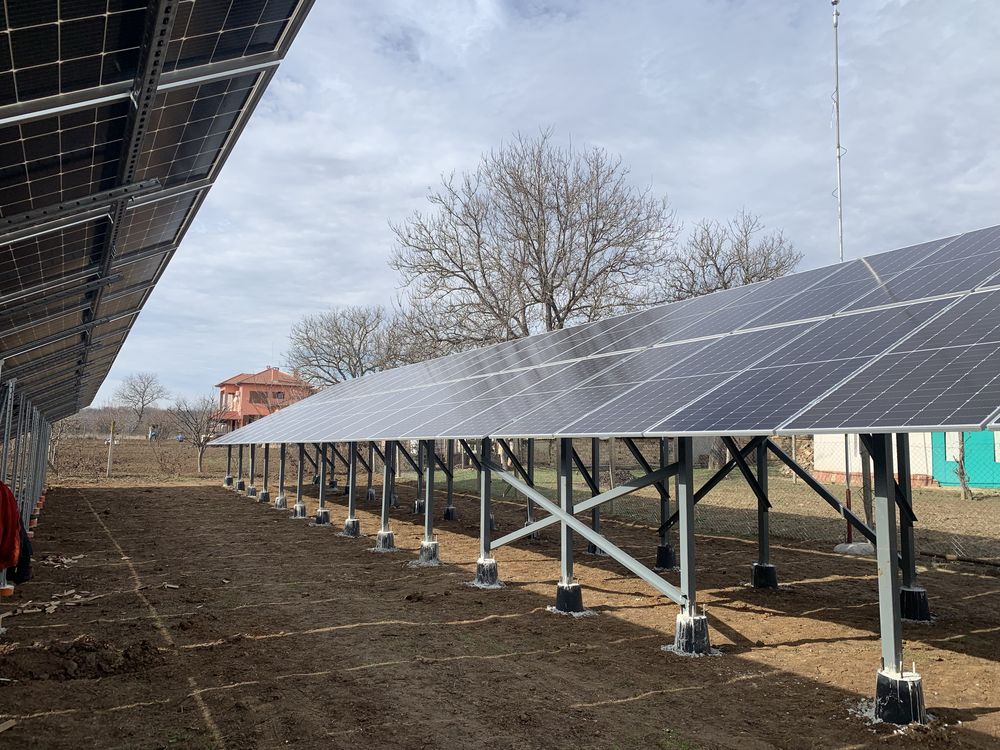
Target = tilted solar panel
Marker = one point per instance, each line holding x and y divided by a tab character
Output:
894	341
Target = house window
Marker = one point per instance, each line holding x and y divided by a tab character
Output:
951	444
258	397
279	395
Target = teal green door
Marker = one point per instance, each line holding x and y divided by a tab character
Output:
980	460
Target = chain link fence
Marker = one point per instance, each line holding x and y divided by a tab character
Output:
955	490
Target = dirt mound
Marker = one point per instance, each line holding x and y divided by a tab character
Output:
80	659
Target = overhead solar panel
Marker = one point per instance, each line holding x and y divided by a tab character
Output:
115	118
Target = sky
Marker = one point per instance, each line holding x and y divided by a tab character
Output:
720	105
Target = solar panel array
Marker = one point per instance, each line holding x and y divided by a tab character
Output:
900	341
102	117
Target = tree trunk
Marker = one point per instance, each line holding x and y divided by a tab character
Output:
201	456
963	477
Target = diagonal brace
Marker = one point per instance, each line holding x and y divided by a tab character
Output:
471	454
613	551
585	473
741	463
408	457
901	499
505	446
443	466
713	481
641	460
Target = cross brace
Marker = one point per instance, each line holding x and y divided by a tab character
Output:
626	488
751	480
613	551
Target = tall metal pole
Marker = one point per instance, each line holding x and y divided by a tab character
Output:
840	220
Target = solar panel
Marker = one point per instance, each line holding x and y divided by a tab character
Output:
895	340
953	388
104	160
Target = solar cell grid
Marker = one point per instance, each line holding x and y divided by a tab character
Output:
952	388
631	413
188	127
556	412
736	352
966	245
648	364
972	320
154	223
29	263
755	400
49	47
894	261
60	158
210	31
945	277
821	301
863	334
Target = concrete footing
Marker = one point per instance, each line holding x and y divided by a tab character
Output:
913	603
487	573
450	513
322	517
535	534
428	554
241	486
352	527
281	503
691	635
569	597
593	549
666	558
371	495
299	510
384	542
418	507
251	491
264	497
764	576
394	501
227	481
899	698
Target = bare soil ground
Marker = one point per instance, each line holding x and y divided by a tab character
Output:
218	622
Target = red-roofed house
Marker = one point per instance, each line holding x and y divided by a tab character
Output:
247	397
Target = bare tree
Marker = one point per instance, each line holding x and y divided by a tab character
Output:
196	419
343	343
538	237
960	472
138	392
721	256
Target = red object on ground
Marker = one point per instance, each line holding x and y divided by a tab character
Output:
10	528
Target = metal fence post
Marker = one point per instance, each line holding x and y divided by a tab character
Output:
322	512
666	556
227	481
450	513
